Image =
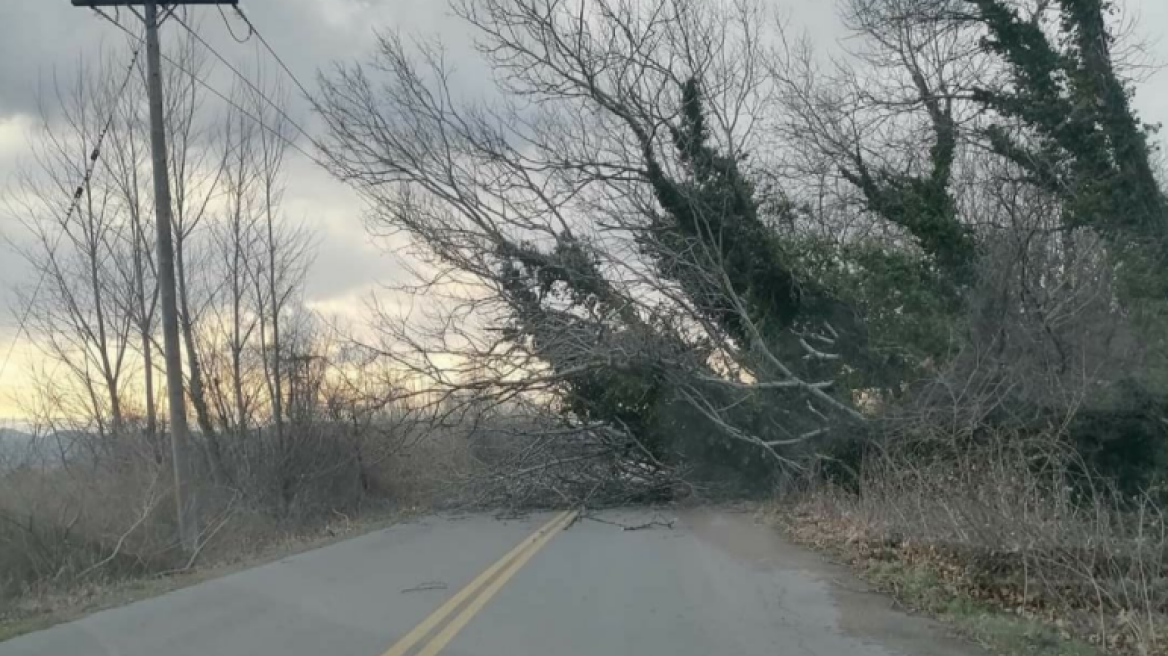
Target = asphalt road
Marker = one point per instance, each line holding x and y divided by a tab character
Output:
698	583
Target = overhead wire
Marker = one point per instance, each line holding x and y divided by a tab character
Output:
75	203
279	60
231	30
308	95
95	155
253	31
251	85
219	94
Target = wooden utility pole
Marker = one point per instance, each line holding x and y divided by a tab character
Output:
188	529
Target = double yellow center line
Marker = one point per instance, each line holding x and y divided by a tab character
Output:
493	578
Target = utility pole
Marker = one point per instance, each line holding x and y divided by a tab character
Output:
188	529
184	495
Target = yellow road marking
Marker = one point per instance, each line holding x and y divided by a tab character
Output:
427	625
450	630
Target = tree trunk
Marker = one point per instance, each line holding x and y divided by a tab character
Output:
198	395
277	387
197	392
144	329
110	377
237	338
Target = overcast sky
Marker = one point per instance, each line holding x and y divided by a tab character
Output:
43	38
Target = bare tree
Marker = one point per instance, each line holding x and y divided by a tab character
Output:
196	174
882	129
594	233
127	159
283	254
235	236
76	253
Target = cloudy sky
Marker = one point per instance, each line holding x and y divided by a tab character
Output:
46	38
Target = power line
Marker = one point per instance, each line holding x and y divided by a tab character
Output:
253	30
90	168
303	89
219	94
251	85
231	30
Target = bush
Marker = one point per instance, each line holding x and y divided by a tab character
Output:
83	509
1020	522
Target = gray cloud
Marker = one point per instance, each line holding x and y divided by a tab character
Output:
46	37
309	35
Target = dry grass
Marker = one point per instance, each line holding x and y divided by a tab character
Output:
73	541
83	533
1013	526
244	547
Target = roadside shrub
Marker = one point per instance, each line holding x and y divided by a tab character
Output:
80	509
1019	521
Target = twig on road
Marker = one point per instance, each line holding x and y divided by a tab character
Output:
426	585
632	527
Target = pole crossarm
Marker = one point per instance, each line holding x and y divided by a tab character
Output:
124	3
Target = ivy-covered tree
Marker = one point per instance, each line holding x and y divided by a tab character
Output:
616	367
711	239
1082	141
922	203
611	367
602	356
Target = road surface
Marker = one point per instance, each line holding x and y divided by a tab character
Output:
694	583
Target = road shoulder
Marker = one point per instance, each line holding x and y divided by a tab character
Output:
917	586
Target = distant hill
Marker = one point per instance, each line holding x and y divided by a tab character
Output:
11	437
14	444
18	447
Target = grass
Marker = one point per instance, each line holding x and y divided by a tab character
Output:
37	612
19	627
43	611
919	586
1000	632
